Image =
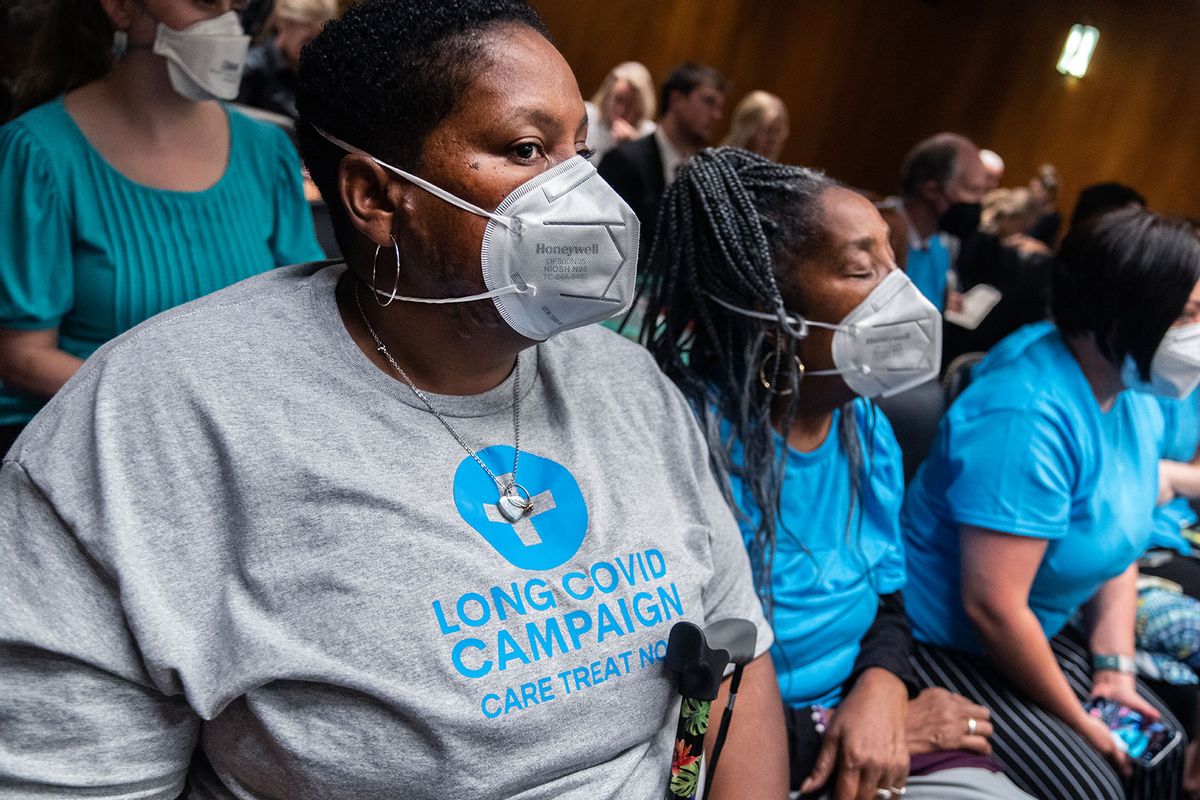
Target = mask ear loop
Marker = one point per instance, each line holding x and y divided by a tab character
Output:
395	284
512	223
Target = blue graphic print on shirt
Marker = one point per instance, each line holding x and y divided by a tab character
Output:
550	534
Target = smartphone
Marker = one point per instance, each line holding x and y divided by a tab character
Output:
1145	741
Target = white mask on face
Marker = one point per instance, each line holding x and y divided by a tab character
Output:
890	342
559	252
1175	368
205	60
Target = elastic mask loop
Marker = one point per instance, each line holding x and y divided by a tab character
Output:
509	222
519	287
794	325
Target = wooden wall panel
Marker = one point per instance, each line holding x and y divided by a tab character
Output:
865	79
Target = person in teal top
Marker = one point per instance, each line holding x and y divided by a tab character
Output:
120	197
1037	499
1168	614
1002	462
774	283
928	266
837	550
1182	425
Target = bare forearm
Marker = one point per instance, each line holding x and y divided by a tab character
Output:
1184	478
754	759
1018	647
41	371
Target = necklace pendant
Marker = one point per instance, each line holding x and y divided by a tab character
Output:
513	506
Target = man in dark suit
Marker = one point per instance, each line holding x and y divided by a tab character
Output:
640	171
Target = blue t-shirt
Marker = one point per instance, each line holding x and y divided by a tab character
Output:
88	251
927	268
1026	451
1181	420
829	567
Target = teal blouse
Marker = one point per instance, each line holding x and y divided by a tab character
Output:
89	251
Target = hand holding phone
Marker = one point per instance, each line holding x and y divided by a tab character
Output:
1145	741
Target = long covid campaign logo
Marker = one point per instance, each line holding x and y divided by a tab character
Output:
550	534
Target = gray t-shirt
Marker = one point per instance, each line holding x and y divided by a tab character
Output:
236	553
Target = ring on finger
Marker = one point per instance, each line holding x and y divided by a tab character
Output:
972	726
884	794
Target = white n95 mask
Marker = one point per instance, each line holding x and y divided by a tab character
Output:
205	60
1175	368
890	342
559	252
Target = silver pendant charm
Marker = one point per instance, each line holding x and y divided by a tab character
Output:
515	502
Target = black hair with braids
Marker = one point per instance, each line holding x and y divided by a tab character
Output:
726	224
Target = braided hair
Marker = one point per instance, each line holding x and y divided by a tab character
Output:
728	221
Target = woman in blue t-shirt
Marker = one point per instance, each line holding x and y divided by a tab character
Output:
1037	499
126	189
782	311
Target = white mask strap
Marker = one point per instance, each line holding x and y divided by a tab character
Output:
519	287
436	191
515	288
797	325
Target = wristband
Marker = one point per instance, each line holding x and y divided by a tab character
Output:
1113	663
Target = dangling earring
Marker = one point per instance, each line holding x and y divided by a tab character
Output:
395	284
120	44
762	373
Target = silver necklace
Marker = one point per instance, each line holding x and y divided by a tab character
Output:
515	501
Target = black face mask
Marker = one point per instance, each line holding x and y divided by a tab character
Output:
961	219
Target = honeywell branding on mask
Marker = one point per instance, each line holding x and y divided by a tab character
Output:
566	262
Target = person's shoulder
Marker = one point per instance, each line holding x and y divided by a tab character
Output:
226	321
174	355
1029	385
599	361
876	434
1028	367
41	127
601	349
42	148
873	424
257	134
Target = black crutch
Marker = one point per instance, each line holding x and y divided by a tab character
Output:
700	657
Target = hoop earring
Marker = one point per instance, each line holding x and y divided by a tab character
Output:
395	285
766	384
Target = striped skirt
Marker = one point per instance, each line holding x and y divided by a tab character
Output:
1041	754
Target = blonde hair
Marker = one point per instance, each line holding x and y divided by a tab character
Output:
639	78
315	12
1001	204
757	110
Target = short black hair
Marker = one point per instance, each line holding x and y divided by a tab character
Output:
1101	197
685	78
932	159
385	75
1124	277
